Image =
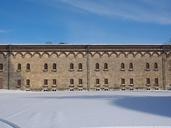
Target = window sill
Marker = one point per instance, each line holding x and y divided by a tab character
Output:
79	70
1	70
155	69
28	70
97	85
54	70
54	85
148	84
71	85
18	70
80	85
45	86
130	69
122	69
147	69
105	70
106	85
123	85
45	70
71	70
97	70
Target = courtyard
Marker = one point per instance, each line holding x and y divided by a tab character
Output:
102	109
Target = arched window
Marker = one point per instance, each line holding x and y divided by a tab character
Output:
147	81
122	66
71	81
18	83
19	67
156	81
97	66
106	81
105	66
80	66
54	66
71	66
155	66
122	81
97	81
45	81
80	81
131	66
1	67
27	66
147	66
46	66
54	81
131	81
27	82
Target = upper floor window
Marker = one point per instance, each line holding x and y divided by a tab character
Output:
122	66
27	66
155	66
148	81
54	81
1	67
45	82
97	67
71	66
19	67
106	81
131	81
147	66
122	81
80	66
27	82
45	67
97	81
131	66
80	81
71	81
105	66
54	66
156	81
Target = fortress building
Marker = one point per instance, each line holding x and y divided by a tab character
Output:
85	67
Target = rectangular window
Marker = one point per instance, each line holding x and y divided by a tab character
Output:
80	81
122	81
45	82
131	81
71	81
156	81
105	81
18	83
97	81
27	82
148	81
1	67
54	81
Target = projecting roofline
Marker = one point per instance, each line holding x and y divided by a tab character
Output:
82	47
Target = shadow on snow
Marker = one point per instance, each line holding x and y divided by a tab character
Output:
158	105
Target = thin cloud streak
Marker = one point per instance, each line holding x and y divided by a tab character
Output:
154	11
4	31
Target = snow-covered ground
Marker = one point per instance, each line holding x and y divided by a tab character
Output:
62	109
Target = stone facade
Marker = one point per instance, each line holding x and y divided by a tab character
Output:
88	67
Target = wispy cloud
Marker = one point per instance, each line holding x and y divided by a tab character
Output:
4	31
155	11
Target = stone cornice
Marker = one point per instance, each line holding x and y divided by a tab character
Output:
69	48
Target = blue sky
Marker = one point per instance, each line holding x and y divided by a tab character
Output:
85	21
